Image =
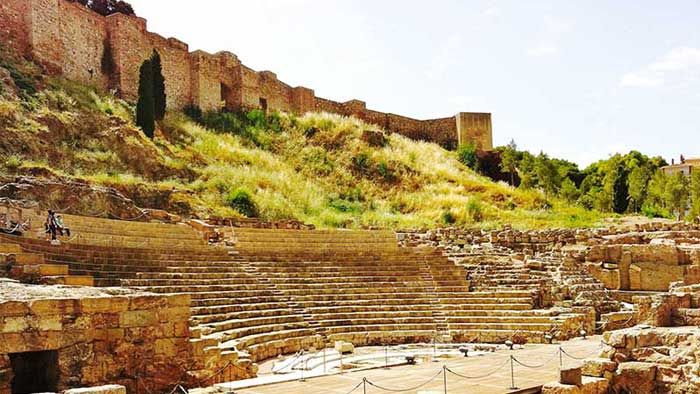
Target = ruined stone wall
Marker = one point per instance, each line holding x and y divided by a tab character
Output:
67	38
100	338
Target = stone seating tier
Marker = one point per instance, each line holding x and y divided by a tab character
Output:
280	291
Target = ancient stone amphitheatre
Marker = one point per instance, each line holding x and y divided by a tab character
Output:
220	231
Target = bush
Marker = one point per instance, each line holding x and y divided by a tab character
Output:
13	162
466	154
654	212
362	163
343	205
194	112
475	210
242	201
448	217
386	172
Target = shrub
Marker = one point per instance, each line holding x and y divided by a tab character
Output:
193	112
466	154
385	171
13	162
654	212
448	217
343	205
475	210
362	163
242	201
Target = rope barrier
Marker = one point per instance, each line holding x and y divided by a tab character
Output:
143	213
406	389
537	366
356	387
505	362
582	358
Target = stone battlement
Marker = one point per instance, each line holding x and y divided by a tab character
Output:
70	40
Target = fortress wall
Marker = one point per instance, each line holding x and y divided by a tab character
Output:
132	45
83	35
71	40
325	105
44	38
13	25
205	85
303	100
475	127
442	131
277	93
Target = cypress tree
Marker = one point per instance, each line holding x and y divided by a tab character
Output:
145	107
159	98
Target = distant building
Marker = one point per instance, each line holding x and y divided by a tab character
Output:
684	166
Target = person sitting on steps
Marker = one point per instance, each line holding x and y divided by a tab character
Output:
61	226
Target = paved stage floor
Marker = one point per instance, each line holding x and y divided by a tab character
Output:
495	365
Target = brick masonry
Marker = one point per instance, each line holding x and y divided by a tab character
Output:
70	40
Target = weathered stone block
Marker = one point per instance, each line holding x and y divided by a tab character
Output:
108	389
597	367
570	376
142	318
635	377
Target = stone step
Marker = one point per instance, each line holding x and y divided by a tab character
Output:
69	280
250	323
45	269
6	248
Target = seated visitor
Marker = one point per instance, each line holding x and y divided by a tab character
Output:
61	226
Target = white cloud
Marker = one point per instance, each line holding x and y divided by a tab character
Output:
679	62
542	50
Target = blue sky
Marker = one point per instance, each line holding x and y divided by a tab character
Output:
576	79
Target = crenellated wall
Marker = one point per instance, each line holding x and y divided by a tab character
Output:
70	40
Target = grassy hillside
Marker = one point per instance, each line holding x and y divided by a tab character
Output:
323	169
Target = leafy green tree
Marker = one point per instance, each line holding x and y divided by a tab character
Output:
509	160
145	107
676	194
568	191
159	97
655	191
547	174
528	175
466	153
637	182
695	194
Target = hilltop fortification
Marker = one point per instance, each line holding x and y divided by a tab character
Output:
69	39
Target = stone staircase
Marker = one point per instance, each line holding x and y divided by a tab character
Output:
32	268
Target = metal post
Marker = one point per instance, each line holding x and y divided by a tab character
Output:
302	369
444	377
561	358
341	362
512	375
324	359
